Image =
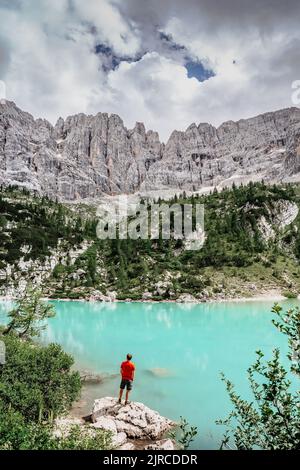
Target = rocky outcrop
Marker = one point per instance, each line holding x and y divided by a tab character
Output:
134	421
164	444
186	298
38	272
97	296
263	147
80	157
282	213
84	157
131	427
89	377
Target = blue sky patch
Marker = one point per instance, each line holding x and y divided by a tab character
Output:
110	61
197	70
103	49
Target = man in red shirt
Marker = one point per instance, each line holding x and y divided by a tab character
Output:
127	373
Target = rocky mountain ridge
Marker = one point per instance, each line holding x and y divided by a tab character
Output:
84	156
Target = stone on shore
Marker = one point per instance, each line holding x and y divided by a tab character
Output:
186	298
105	423
127	446
98	296
164	444
136	420
131	427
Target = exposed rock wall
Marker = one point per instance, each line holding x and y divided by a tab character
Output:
134	421
87	156
132	427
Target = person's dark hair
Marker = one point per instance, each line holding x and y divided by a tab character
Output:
129	357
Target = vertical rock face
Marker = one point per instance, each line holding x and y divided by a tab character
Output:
81	157
85	156
266	146
99	155
27	150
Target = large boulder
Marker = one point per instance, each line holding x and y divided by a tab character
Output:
186	298
136	420
97	296
90	377
105	423
163	287
127	446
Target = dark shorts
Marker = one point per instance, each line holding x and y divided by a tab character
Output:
126	384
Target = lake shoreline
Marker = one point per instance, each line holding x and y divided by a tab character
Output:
271	295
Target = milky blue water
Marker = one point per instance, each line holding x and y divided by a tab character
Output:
179	351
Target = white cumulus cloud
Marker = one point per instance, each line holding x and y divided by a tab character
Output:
50	68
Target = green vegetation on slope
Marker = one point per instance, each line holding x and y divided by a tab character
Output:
37	223
239	256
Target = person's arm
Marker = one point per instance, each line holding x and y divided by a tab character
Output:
133	372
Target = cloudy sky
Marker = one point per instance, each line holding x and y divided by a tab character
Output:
167	63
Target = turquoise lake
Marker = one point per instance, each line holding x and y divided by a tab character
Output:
179	351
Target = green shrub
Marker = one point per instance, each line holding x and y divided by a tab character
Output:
18	434
58	270
290	294
184	434
73	295
81	438
37	381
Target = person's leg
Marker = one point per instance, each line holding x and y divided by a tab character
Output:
122	386
128	388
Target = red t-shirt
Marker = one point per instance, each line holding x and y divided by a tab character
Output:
127	369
